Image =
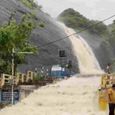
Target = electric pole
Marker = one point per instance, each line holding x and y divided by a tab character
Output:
12	83
13	70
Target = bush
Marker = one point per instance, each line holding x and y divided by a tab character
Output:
29	3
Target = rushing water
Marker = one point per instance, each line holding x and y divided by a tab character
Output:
88	64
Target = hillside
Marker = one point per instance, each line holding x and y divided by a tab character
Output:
97	34
47	54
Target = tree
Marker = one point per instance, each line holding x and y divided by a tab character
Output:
15	35
97	27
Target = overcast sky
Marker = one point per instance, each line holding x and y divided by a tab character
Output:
92	9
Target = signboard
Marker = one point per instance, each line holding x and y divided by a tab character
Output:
27	87
6	96
62	53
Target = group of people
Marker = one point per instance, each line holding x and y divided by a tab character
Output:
111	99
111	93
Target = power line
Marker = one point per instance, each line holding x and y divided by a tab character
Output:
47	44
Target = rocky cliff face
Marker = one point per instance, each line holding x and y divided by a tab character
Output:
48	54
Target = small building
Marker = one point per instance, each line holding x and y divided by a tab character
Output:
58	71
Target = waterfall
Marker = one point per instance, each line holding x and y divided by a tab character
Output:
88	64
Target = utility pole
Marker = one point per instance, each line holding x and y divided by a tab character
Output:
13	52
12	83
13	71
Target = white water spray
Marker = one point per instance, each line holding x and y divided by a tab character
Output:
88	64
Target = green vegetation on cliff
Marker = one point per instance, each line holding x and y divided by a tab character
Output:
112	36
29	3
75	20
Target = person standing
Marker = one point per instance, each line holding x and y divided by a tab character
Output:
108	68
111	99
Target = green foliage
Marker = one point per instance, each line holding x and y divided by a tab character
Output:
75	20
112	36
41	25
38	77
15	36
29	3
97	27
